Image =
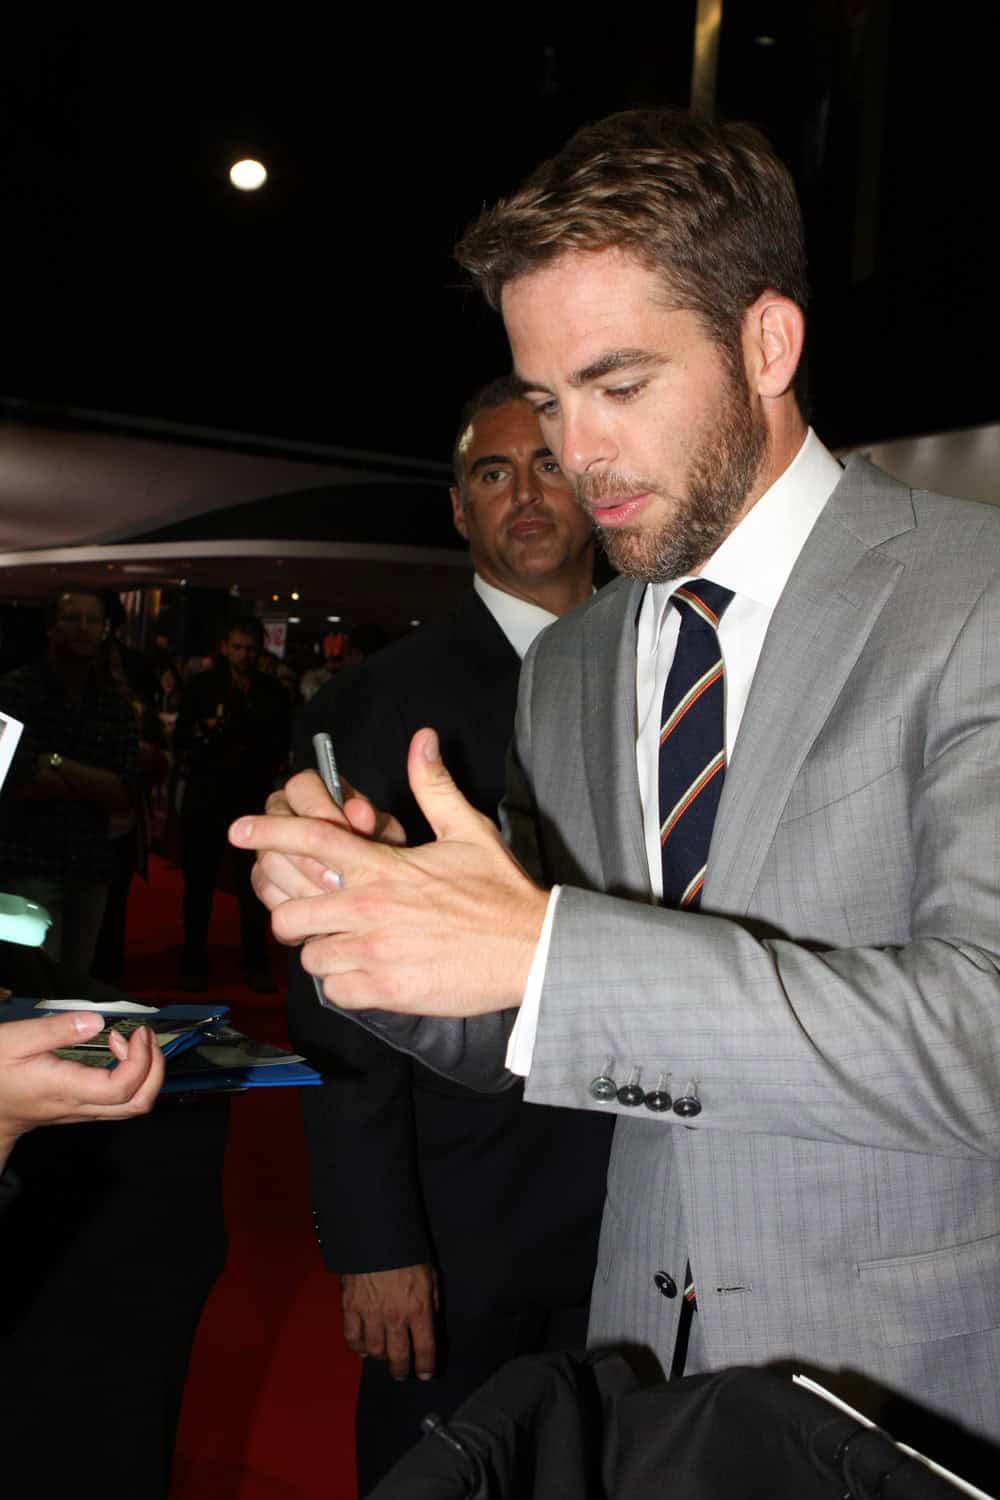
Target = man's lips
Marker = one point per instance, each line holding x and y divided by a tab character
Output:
617	510
530	526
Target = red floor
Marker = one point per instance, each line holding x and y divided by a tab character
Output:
269	1402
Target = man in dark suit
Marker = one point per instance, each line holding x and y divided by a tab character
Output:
464	1227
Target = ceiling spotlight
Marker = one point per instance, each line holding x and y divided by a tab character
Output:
333	619
295	596
248	175
414	622
294	620
275	598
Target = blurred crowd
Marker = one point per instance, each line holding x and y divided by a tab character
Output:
128	751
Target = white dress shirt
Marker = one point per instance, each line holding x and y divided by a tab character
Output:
754	561
519	620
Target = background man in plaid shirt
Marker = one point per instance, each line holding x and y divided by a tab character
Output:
75	768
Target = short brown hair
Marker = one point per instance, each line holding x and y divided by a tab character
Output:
710	208
496	393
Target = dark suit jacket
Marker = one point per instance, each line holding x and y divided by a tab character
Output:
408	1166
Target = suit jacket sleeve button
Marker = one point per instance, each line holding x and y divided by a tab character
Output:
604	1087
688	1105
630	1093
665	1285
658	1099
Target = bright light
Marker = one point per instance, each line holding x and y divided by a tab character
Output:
248	175
333	619
294	620
414	622
295	596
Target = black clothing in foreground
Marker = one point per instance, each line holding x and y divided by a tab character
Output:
109	1253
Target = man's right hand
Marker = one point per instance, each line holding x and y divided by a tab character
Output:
277	877
389	1314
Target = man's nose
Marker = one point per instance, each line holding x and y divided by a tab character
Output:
584	441
527	485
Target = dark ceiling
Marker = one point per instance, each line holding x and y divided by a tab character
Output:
326	308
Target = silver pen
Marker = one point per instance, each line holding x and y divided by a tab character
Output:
326	763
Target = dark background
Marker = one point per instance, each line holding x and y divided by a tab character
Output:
326	306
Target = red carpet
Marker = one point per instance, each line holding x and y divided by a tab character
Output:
269	1402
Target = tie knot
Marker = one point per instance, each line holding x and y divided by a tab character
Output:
702	601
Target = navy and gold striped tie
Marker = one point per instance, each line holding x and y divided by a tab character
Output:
692	742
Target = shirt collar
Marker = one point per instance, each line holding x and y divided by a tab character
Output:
757	557
519	619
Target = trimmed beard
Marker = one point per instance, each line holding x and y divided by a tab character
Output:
721	475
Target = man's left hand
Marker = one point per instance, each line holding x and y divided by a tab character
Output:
448	928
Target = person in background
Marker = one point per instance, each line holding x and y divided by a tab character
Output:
315	678
134	676
232	733
74	772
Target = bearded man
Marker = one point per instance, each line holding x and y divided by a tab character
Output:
754	800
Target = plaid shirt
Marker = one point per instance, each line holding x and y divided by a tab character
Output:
62	840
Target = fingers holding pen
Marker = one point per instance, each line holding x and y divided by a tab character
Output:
299	864
305	796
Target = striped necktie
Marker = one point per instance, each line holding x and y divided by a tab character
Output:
692	742
692	768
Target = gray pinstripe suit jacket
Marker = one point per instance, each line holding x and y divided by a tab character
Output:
838	997
839	1006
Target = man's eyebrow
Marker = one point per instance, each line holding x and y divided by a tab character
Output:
615	359
606	364
486	459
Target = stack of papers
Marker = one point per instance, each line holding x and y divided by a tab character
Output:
226	1059
202	1050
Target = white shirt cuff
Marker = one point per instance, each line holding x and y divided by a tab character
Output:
521	1042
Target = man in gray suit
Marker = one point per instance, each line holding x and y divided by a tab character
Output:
805	1070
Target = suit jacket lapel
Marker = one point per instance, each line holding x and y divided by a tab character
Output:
489	662
833	597
608	668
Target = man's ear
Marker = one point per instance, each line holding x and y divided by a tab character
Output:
774	331
458	512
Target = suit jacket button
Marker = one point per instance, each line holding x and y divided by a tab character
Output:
604	1087
665	1285
658	1099
630	1093
688	1105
